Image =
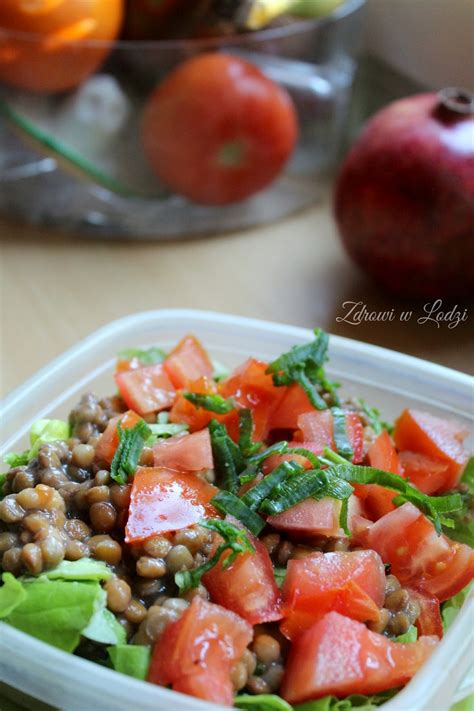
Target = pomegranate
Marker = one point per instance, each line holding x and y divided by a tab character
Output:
404	199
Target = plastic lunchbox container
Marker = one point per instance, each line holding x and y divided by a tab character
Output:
386	379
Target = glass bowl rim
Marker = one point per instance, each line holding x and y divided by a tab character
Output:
298	27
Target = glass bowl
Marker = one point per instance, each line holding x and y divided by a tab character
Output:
74	160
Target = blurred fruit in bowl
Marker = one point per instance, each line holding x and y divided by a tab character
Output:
217	130
51	51
404	200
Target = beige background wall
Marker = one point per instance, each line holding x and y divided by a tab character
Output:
430	40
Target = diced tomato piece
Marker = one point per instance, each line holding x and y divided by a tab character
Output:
351	583
186	453
383	455
276	459
429	621
184	412
317	427
341	656
109	439
309	518
248	586
252	388
164	500
294	402
429	435
188	362
124	364
146	390
195	654
355	433
378	500
420	558
426	473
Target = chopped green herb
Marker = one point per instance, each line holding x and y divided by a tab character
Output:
255	496
128	452
280	575
211	403
373	417
228	503
432	506
314	483
228	459
235	540
163	431
304	365
246	445
460	525
149	356
341	437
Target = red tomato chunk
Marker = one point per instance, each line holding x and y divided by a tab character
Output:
350	583
195	654
440	439
248	586
164	500
185	453
188	362
341	656
109	439
420	558
146	390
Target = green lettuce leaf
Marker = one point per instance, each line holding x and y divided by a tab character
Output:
149	356
411	635
355	701
104	626
12	594
56	611
262	702
130	659
15	459
84	569
43	431
450	608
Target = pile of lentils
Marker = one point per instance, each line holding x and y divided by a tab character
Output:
64	506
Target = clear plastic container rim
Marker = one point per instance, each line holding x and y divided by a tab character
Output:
299	27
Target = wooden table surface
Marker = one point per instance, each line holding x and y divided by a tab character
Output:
56	289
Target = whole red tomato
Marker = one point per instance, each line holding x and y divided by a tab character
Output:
217	130
52	44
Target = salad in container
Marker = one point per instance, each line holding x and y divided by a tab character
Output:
249	538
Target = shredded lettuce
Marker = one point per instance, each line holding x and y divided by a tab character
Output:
130	659
220	371
42	432
149	356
